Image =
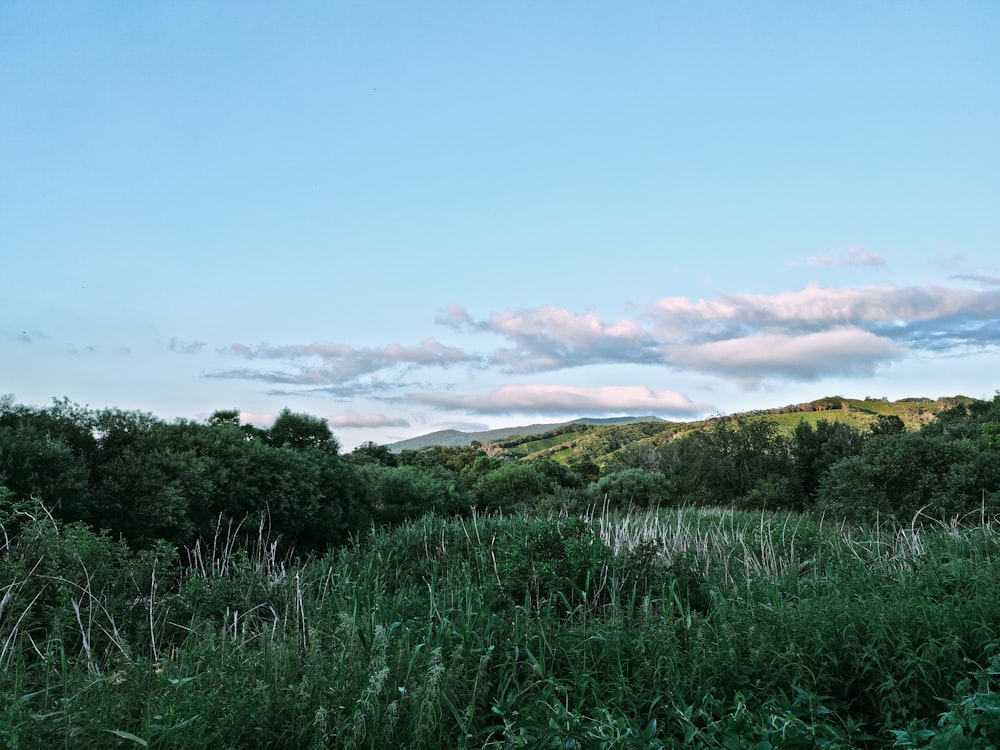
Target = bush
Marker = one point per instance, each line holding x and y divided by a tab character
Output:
897	476
513	485
633	488
556	561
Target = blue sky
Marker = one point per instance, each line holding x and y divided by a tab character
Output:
407	216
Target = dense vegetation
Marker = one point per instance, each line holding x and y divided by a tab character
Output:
218	585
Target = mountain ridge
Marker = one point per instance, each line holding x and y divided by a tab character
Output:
458	438
597	438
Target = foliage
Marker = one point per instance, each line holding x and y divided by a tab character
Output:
814	449
557	561
396	493
512	485
728	461
972	721
898	476
301	431
633	488
145	480
681	628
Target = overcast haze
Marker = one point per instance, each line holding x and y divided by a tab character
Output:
405	217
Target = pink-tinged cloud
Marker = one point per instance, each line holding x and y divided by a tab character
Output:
569	328
810	356
560	399
463	426
257	419
365	421
818	308
856	256
799	334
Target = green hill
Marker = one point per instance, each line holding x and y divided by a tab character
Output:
597	440
459	438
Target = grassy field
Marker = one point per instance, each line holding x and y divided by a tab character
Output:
680	628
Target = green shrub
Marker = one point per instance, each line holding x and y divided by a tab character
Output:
632	488
552	561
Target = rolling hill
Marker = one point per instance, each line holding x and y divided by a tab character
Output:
459	438
597	440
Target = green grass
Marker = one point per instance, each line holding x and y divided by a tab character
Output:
522	450
646	630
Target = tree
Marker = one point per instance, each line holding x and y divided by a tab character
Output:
814	450
896	476
33	463
513	483
722	464
224	417
887	424
632	487
302	431
372	453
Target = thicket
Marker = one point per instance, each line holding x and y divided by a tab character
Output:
145	480
705	628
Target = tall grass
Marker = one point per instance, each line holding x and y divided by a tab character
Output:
655	629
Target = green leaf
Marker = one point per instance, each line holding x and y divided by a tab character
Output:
128	736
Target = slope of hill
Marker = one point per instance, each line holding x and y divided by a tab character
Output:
459	438
597	440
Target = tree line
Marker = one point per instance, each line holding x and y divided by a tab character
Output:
143	479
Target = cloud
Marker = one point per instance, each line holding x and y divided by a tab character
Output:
336	364
979	278
559	399
365	421
455	316
354	389
258	419
801	334
185	347
816	309
463	426
856	256
811	356
798	334
551	338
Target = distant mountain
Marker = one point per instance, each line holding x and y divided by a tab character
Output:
459	438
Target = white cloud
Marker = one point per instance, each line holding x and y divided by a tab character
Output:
559	399
816	308
463	426
799	334
810	356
